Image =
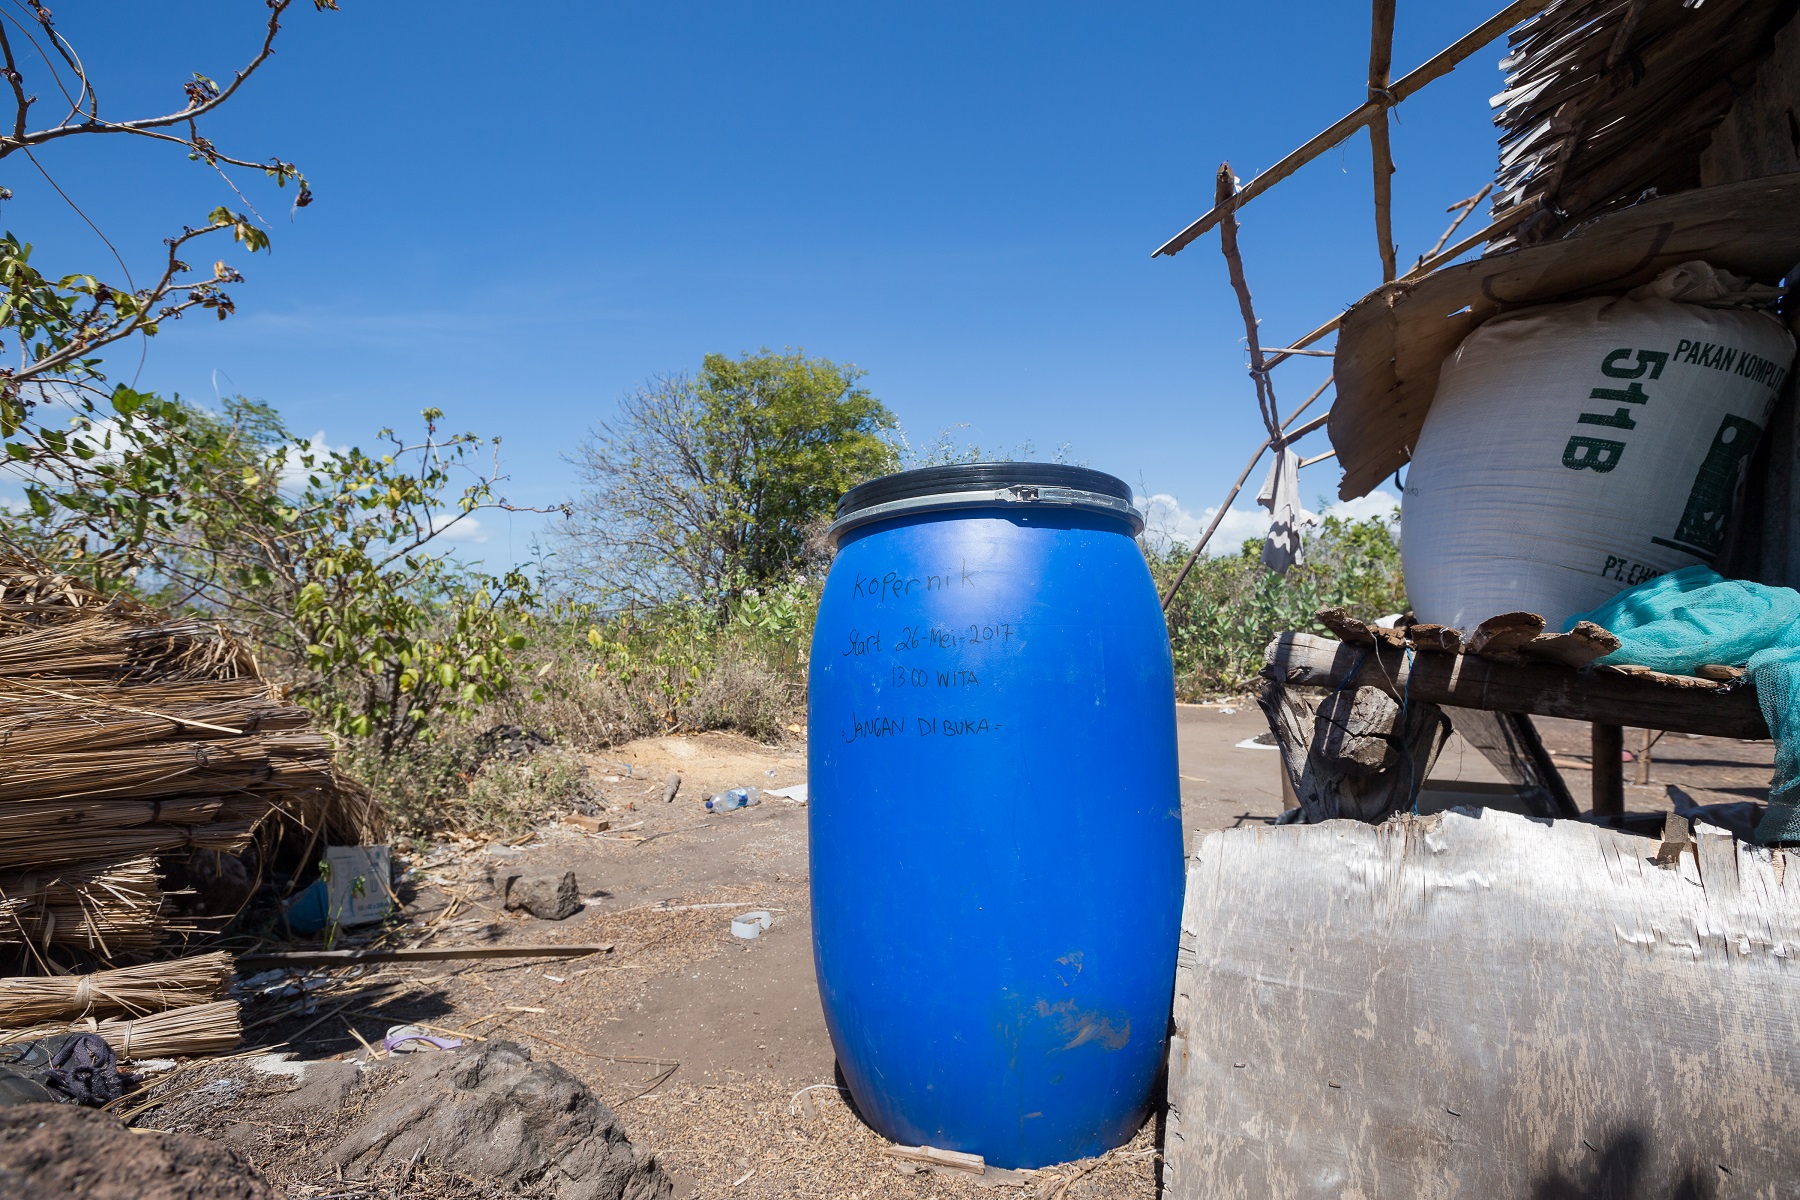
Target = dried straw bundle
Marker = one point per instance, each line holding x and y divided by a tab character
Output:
125	735
196	1029
266	763
129	991
101	907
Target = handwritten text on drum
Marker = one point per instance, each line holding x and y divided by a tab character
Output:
892	585
941	726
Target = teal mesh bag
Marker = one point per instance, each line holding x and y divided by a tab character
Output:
1688	618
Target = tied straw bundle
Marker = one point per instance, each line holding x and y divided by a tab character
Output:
101	907
125	991
124	735
195	1029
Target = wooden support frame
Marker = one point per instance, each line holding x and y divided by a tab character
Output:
1539	689
1437	66
1381	154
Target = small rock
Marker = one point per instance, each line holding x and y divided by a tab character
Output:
548	894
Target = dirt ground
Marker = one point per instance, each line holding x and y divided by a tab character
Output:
712	1049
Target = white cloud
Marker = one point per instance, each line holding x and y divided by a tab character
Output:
1375	504
469	530
1167	523
294	471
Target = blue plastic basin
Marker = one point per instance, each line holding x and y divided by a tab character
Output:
995	812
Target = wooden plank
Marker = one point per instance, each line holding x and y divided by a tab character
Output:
1483	1007
1468	681
344	958
1393	342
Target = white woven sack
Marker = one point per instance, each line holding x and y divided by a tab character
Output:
1575	450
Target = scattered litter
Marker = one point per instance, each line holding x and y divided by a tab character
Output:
916	1159
1261	741
795	794
357	877
409	1039
734	798
751	925
583	821
671	785
153	1066
259	981
554	978
1226	710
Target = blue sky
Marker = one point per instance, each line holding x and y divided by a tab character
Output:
523	210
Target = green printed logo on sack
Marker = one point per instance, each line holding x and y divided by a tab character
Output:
1574	450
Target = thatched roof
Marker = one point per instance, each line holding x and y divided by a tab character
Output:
1607	101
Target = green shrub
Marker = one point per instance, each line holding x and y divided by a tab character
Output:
1231	607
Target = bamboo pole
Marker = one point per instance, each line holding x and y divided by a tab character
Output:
1381	152
1219	516
1462	209
1439	65
1287	352
1224	187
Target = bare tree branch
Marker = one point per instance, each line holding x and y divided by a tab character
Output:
196	107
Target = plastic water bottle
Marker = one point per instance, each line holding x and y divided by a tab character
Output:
733	798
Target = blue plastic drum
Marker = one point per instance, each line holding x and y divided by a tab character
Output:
995	811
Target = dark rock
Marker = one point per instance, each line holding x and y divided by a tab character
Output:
509	741
492	1112
549	894
58	1150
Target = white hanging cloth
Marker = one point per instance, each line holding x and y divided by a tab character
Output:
1281	496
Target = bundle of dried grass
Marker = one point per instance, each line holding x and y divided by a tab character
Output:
124	736
126	991
196	1029
103	908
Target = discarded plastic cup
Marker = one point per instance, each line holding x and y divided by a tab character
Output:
751	925
406	1039
733	798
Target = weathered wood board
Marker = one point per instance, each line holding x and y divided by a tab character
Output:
1484	1005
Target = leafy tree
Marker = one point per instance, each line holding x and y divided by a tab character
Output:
705	486
72	440
328	561
332	562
